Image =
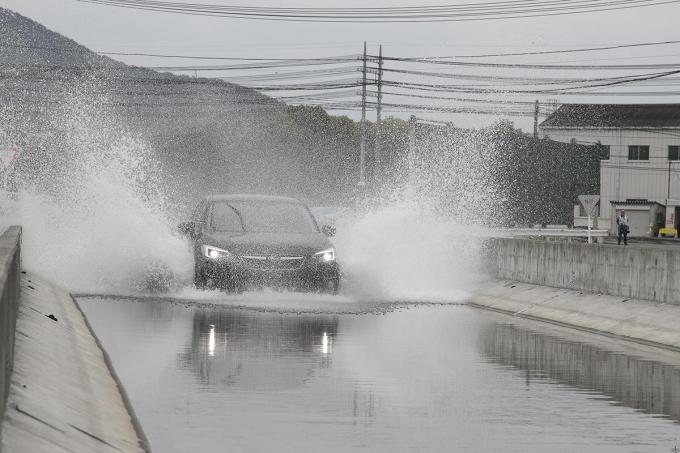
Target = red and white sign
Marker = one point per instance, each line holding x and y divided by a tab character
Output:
8	156
670	217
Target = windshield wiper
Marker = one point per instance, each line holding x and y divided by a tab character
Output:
240	217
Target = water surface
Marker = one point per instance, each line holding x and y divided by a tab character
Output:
342	377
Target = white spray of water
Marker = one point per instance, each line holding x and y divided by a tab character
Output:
398	253
99	226
102	226
424	243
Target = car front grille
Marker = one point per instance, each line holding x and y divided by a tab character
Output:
273	263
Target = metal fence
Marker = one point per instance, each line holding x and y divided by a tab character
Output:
551	232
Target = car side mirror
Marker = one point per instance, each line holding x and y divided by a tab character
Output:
188	229
328	230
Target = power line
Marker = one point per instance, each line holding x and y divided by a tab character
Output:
431	13
461	110
520	80
84	50
554	91
311	81
320	96
305	74
458	99
531	66
323	92
346	66
263	65
199	57
142	75
206	57
449	89
311	86
550	52
425	108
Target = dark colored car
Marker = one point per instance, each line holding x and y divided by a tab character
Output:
253	241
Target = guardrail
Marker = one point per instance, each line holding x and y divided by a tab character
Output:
10	274
551	232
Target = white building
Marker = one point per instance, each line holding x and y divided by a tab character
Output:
640	165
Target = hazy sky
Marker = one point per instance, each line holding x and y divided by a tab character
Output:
106	28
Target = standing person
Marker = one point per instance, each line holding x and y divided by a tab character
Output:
622	226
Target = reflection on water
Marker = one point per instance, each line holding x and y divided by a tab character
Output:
425	378
640	384
224	351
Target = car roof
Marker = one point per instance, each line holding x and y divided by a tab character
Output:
251	197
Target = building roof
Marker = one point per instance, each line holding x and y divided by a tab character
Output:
636	202
614	116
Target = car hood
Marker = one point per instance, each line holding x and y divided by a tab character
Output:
264	244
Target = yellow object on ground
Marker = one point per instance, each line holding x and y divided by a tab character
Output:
665	232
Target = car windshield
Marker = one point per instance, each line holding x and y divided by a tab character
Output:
262	217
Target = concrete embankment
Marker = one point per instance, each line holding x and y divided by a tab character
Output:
63	395
642	321
10	264
627	292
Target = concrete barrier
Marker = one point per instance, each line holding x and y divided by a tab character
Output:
63	396
10	266
635	272
59	391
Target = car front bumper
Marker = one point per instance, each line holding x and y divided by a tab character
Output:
238	273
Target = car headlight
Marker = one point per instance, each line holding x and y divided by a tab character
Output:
214	253
326	256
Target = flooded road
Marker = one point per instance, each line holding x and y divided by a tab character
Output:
342	377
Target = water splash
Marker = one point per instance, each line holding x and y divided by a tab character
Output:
400	253
98	218
98	222
421	239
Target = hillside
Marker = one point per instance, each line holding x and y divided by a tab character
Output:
41	67
211	135
26	43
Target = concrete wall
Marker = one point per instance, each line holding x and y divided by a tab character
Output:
636	272
64	395
10	266
58	390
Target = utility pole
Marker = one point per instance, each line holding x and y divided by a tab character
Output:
378	120
536	120
669	181
362	150
411	146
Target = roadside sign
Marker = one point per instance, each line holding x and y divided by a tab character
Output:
589	202
8	156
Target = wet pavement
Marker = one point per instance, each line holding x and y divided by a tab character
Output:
339	376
